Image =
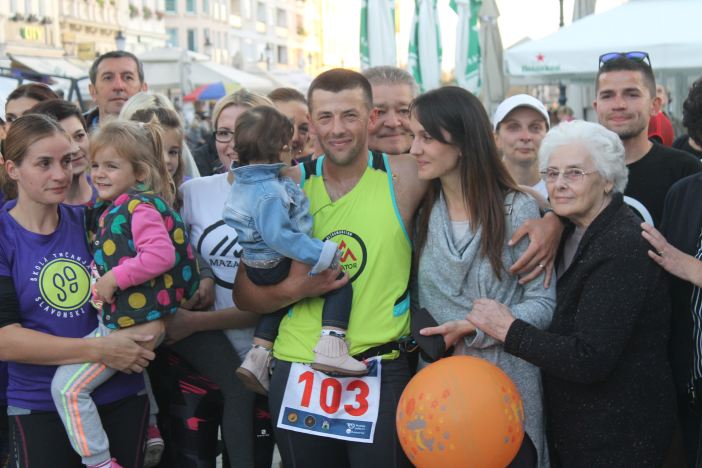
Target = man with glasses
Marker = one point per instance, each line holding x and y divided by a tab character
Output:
625	101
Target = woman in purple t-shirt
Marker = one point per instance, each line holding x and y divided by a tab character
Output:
44	308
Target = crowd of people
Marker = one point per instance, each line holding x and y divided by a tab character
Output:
262	287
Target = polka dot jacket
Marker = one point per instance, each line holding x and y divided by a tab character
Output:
110	235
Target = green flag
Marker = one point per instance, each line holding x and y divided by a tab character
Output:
377	44
467	44
424	59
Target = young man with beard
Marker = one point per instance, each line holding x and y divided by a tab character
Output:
626	100
365	202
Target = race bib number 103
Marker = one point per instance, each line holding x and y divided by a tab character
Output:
330	406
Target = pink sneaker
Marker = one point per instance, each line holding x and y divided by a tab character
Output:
114	464
154	447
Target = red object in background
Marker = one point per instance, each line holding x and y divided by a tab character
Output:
661	130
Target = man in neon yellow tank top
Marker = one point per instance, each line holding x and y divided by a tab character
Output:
365	203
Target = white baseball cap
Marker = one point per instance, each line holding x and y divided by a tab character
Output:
519	100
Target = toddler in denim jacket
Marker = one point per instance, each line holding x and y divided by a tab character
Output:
271	216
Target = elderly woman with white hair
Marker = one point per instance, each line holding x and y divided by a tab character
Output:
608	389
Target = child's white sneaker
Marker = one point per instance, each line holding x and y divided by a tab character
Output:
332	355
254	370
154	447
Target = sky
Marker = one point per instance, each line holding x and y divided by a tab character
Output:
519	19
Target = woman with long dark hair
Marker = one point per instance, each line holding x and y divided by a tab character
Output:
471	210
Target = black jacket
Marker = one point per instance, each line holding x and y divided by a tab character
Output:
681	225
608	388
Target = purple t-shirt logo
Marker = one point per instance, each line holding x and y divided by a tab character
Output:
63	283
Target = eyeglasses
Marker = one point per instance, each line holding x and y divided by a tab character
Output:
571	175
223	136
636	56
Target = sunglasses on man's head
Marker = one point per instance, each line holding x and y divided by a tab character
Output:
636	56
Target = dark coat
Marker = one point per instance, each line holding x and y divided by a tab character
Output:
608	388
681	226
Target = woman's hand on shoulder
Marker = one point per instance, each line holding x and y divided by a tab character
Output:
544	237
671	259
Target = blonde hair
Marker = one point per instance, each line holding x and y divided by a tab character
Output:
135	109
242	98
141	145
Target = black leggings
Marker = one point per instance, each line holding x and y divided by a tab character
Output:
197	391
39	440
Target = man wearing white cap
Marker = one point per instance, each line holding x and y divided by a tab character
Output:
520	124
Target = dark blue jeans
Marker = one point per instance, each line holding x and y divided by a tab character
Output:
335	313
299	450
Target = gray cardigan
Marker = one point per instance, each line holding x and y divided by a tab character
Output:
450	277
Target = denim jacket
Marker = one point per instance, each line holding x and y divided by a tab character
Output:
271	215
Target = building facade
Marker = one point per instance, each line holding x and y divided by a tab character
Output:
199	26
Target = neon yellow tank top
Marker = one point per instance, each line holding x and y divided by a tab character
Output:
376	254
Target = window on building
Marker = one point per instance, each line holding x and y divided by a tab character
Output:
283	55
261	12
281	18
171	6
192	40
190	6
205	6
172	36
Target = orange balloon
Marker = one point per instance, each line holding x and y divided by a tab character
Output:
462	412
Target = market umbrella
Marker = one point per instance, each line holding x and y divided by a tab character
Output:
583	8
493	77
425	46
467	44
211	92
378	33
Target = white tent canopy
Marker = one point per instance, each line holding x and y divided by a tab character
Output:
173	67
673	44
210	72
